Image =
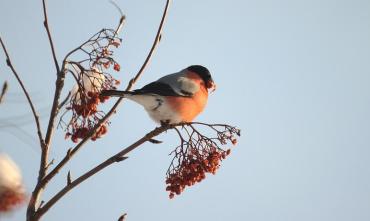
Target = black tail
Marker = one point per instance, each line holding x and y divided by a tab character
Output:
115	93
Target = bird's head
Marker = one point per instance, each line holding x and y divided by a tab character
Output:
205	75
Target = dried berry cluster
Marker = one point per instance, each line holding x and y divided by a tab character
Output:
91	77
197	156
9	199
193	169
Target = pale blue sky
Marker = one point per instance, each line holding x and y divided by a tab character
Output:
292	74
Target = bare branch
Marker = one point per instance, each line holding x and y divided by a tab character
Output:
123	17
35	115
46	25
32	203
53	113
115	158
57	168
64	101
185	147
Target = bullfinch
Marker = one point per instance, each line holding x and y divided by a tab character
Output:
174	98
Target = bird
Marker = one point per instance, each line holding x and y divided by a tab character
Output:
174	98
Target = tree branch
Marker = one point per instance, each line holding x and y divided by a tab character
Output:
49	36
73	151
59	83
202	143
115	158
35	115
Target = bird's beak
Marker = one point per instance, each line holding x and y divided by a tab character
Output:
211	85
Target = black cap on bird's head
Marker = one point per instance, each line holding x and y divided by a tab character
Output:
203	73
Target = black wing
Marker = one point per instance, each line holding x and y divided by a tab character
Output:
158	88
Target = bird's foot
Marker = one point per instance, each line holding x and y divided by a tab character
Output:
165	123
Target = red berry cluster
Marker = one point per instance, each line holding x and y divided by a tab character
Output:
86	110
194	168
81	133
100	132
88	105
198	155
92	77
116	66
9	199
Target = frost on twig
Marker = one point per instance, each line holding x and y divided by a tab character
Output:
92	74
198	154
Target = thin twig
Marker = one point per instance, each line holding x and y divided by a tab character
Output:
123	17
64	101
49	36
3	91
35	115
